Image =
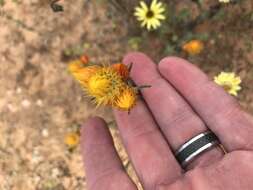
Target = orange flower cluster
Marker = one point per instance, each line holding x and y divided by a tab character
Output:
193	47
106	85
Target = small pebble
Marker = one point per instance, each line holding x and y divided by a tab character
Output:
26	103
45	133
37	179
39	103
9	93
12	108
19	90
55	172
36	157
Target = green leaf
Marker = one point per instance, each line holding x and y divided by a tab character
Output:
203	36
170	49
220	15
183	15
2	2
134	42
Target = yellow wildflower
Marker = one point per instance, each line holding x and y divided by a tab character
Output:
229	81
105	85
193	47
82	74
127	99
150	16
224	1
75	66
72	139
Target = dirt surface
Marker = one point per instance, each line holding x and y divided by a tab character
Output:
40	102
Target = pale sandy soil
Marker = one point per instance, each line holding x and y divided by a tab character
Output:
39	100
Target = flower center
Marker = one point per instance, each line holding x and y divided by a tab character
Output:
98	85
149	14
226	87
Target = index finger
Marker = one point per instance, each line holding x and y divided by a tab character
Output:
103	167
220	111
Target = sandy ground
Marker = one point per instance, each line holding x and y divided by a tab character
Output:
39	100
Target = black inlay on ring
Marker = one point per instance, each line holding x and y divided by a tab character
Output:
194	146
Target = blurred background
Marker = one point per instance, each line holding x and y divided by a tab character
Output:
42	107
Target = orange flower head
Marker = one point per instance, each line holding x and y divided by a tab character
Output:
75	65
105	85
193	47
121	69
84	74
81	73
84	59
127	99
72	139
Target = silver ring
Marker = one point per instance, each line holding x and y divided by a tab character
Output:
195	146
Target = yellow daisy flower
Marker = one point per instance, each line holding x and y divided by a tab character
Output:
224	1
193	47
72	139
150	16
229	81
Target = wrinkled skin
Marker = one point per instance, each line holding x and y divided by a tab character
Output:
181	103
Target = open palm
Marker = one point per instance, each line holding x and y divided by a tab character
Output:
181	103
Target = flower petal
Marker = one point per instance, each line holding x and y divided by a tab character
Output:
160	16
144	5
153	4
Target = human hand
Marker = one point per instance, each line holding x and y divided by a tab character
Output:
181	103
